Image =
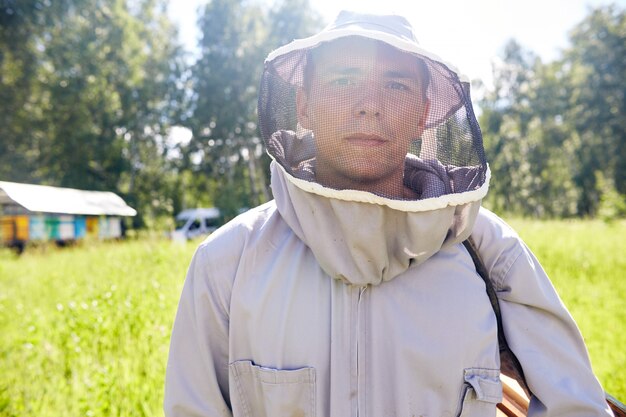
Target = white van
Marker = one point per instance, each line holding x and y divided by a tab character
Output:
196	222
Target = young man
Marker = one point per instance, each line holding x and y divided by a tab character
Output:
351	293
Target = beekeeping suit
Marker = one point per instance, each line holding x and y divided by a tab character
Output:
350	294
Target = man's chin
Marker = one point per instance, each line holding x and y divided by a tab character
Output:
367	178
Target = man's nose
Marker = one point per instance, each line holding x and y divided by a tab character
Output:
368	103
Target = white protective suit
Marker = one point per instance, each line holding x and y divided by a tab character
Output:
343	303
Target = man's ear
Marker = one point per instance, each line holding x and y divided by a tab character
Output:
302	108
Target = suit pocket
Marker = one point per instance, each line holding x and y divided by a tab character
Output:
482	391
268	392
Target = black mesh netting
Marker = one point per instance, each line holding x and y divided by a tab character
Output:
360	114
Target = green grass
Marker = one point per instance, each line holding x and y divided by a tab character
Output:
586	261
85	330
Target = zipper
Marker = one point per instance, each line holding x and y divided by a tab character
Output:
360	346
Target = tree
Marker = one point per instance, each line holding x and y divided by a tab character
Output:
90	89
236	37
550	128
100	93
21	27
529	146
597	74
289	20
506	120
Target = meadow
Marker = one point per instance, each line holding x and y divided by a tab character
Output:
85	329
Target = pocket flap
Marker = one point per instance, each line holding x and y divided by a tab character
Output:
486	384
258	391
274	376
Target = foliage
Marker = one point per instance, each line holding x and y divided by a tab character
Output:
598	97
223	119
612	204
236	37
88	92
86	329
548	128
91	88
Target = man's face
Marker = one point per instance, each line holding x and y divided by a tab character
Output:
365	104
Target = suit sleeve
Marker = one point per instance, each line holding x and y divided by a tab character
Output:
196	382
538	327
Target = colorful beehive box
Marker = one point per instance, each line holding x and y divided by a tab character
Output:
66	227
80	227
103	227
21	228
37	227
115	227
7	229
51	223
92	225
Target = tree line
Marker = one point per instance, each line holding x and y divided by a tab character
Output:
90	91
555	132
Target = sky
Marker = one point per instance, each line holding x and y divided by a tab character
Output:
467	33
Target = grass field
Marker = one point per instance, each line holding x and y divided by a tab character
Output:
85	330
586	261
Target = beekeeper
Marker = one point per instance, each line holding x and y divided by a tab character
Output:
350	294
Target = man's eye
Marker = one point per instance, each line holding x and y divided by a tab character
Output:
342	81
395	85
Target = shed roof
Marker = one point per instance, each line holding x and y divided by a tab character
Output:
47	199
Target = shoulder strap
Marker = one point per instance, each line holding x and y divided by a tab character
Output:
509	364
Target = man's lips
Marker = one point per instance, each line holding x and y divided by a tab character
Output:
365	139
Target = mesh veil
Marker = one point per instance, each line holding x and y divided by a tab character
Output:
367	106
